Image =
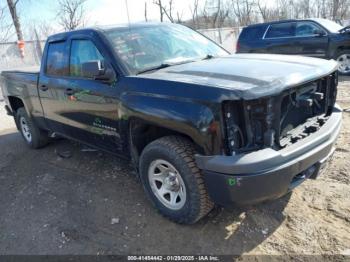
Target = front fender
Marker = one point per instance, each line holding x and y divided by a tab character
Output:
195	120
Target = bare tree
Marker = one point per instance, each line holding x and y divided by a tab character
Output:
223	14
335	6
5	26
205	14
12	5
165	9
244	10
194	13
169	11
42	30
71	14
267	13
322	9
179	17
216	13
146	11
161	9
342	9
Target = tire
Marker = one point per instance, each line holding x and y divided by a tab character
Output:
169	161
32	135
343	57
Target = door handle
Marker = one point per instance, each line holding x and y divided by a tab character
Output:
69	91
43	88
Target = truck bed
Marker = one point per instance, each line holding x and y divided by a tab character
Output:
23	84
30	70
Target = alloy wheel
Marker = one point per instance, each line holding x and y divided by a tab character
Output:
25	129
344	63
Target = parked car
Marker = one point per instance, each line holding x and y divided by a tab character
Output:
201	126
311	37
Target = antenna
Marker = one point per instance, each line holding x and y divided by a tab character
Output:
127	12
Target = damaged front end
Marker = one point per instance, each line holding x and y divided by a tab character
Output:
279	121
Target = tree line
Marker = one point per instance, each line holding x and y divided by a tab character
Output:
72	14
237	13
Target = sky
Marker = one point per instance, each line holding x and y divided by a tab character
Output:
98	12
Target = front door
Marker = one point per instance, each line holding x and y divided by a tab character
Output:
310	39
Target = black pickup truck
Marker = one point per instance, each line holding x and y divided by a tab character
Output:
315	37
200	125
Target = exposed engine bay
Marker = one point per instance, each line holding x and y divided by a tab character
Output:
281	120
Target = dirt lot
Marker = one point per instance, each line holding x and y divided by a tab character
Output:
91	203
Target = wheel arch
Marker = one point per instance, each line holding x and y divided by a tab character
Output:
339	50
141	133
16	103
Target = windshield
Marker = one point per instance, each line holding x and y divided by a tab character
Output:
331	26
143	48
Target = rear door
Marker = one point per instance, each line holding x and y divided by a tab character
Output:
310	39
52	83
250	40
278	38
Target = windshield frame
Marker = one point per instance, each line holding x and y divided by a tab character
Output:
326	23
131	71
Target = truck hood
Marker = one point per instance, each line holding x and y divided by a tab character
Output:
249	76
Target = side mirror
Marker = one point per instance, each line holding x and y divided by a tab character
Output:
97	70
319	32
92	69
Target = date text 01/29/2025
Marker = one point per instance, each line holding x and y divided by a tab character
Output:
173	258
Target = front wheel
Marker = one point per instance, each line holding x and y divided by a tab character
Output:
33	136
172	180
343	59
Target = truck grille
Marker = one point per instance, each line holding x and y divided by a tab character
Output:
279	121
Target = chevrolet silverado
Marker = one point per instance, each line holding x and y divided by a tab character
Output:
201	126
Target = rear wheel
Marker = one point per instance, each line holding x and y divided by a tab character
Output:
172	180
343	59
33	136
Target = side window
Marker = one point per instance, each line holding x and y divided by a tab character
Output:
57	62
82	51
306	29
252	33
280	30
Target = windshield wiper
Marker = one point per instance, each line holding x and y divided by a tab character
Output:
161	66
164	65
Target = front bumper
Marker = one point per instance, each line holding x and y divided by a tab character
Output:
268	174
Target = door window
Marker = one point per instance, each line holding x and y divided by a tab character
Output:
280	30
306	29
82	51
57	62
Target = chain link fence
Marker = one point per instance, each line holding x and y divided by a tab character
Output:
10	56
226	37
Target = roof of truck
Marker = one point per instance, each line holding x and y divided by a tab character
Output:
103	28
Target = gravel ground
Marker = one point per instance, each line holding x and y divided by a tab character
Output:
92	203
